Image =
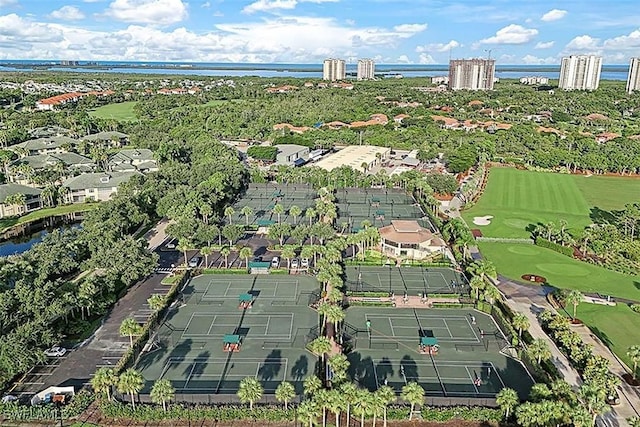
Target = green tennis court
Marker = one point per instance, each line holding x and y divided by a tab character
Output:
472	359
211	340
399	280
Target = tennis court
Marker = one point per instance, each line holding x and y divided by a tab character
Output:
262	198
228	327
405	279
470	356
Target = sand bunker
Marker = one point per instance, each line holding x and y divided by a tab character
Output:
482	220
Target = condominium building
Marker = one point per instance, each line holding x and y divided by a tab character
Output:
633	81
580	72
366	69
334	69
472	74
534	80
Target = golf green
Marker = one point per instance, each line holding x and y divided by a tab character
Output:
520	199
122	111
515	259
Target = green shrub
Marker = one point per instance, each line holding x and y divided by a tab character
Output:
367	294
564	250
371	303
278	271
635	307
225	271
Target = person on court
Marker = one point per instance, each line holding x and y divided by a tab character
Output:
368	325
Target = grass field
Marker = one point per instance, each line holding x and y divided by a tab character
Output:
514	259
516	199
43	213
122	111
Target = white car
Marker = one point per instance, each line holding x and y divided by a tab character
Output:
170	245
275	262
55	351
294	263
304	262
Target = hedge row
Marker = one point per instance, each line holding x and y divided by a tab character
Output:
564	250
17	412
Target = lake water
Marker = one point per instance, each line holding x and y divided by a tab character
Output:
26	235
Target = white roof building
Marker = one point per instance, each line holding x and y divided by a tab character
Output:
355	156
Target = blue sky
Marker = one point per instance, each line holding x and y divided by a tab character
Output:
306	31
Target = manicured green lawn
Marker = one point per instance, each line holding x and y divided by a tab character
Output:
122	111
617	326
518	199
513	260
43	213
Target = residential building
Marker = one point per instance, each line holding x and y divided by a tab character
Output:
440	80
65	98
366	69
51	145
292	154
534	80
580	72
472	74
67	164
334	69
633	80
407	239
135	159
95	186
9	205
357	157
110	138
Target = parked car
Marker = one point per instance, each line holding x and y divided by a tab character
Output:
304	262
195	261
275	262
170	245
55	351
294	263
9	398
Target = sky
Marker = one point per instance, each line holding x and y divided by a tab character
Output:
307	31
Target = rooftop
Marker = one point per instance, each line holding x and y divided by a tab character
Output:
353	156
10	189
98	180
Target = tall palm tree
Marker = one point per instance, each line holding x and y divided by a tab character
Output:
310	214
320	346
477	284
520	322
225	251
131	382
162	391
183	246
335	295
229	212
285	392
129	327
507	399
246	253
491	294
339	364
592	398
384	396
250	390
539	350
634	354
308	412
206	251
278	209
364	405
336	404
349	393
574	298
103	380
311	385
247	212
288	253
414	394
335	315
156	302
295	212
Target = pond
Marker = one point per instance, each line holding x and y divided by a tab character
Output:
21	238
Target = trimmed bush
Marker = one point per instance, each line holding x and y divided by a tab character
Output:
564	250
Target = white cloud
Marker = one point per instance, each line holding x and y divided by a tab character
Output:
425	58
15	31
68	13
206	5
553	15
269	5
410	28
512	34
438	47
218	13
403	59
630	41
4	3
544	45
153	12
584	42
534	60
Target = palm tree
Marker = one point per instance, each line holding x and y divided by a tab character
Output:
278	209
246	253
320	346
483	268
335	315
477	284
634	354
520	322
129	327
131	382
491	294
336	404
285	392
247	212
206	251
310	214
349	393
592	398
295	212
308	412
364	405
339	364
162	392
335	295
225	252
229	212
103	380
288	252
250	390
414	394
574	298
156	302
539	349
183	246
384	397
311	385
507	399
